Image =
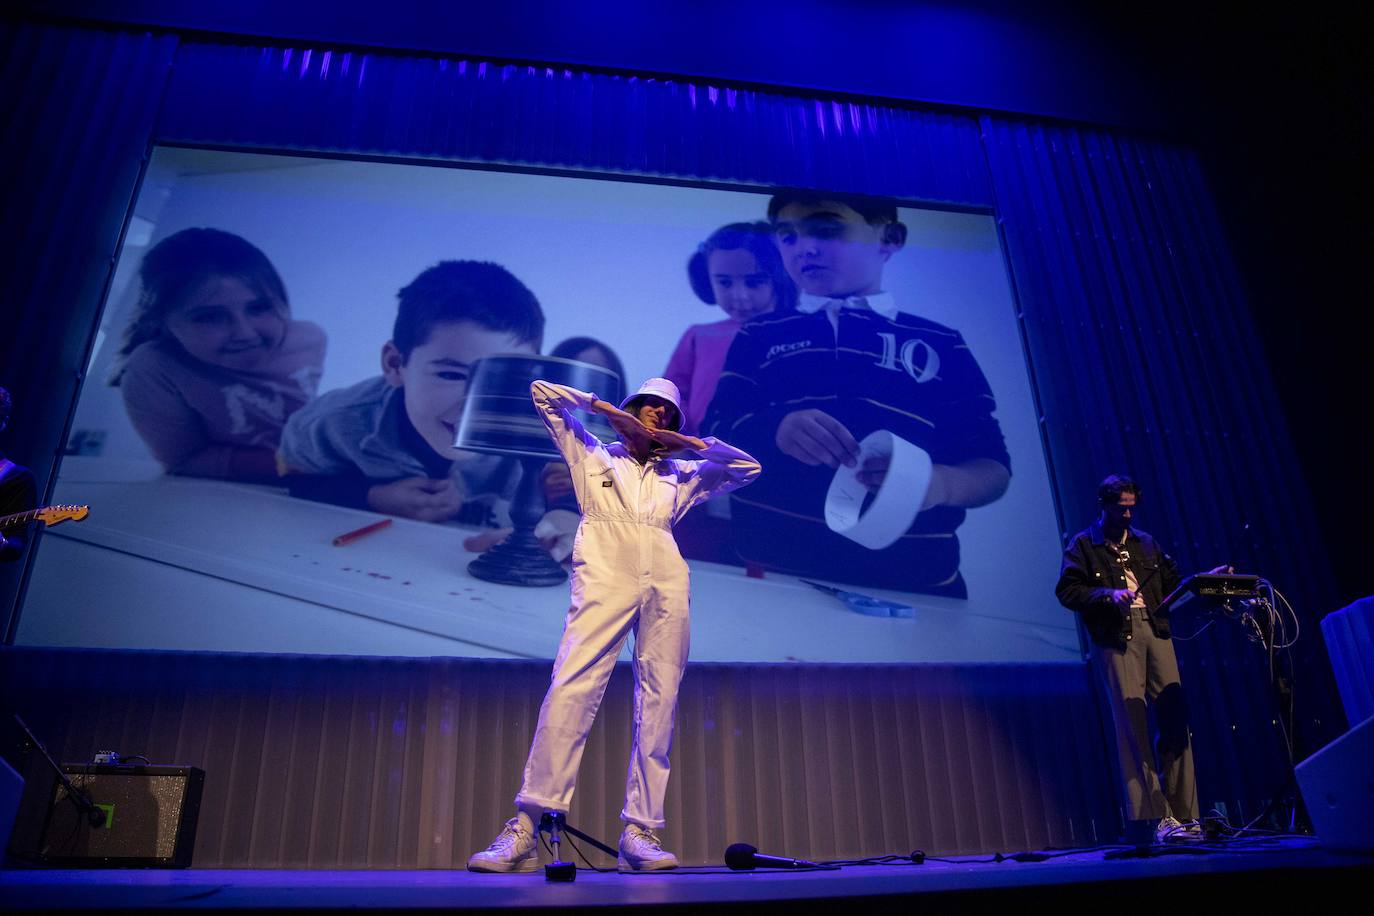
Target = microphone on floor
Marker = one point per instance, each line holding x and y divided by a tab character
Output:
743	857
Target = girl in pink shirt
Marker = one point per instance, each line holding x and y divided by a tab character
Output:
212	362
737	268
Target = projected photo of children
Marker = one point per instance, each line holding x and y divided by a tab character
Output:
737	268
386	443
865	351
212	364
875	425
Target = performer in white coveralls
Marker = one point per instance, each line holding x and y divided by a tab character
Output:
627	576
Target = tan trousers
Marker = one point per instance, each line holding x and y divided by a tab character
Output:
1147	671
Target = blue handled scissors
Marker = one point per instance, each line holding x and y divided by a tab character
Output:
865	604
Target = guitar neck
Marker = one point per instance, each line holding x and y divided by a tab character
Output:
19	518
48	515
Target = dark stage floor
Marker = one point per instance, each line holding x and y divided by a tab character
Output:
1243	872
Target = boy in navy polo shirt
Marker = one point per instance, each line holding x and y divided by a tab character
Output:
801	390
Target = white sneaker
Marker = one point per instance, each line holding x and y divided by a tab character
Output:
1172	830
514	850
642	850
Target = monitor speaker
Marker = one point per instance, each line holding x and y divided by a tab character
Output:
1337	783
150	818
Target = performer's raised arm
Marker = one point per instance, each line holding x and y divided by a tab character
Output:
555	404
722	468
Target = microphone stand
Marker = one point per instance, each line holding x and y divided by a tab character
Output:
555	824
95	815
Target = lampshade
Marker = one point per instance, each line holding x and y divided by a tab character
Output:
498	417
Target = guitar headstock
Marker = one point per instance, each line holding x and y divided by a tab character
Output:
51	515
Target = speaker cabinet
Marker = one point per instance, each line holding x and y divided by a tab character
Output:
1338	785
150	818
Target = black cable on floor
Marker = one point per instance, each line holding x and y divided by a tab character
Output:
601	871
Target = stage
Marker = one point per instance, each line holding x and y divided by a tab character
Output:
1062	278
1253	870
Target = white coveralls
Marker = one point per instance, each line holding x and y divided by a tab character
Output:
627	575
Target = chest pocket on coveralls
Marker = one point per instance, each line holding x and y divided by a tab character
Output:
599	478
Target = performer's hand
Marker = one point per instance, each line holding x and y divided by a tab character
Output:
1122	597
814	437
557	481
421	498
635	435
1222	570
676	442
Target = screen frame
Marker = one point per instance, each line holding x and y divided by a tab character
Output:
622	176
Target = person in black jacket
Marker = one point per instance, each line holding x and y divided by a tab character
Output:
1115	576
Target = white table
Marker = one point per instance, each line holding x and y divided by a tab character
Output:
177	563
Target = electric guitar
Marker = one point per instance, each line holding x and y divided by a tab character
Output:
48	515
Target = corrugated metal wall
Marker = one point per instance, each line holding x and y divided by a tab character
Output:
315	762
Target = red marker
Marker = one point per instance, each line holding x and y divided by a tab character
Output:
364	531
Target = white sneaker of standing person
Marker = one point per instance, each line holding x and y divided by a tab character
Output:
1172	830
642	850
516	849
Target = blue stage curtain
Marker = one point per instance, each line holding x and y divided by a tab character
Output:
1146	362
77	108
386	105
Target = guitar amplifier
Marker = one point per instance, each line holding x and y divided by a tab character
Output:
150	818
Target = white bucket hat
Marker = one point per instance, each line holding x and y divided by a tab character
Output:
660	387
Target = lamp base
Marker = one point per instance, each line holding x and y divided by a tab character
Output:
519	560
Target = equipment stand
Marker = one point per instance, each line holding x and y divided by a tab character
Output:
1287	802
95	815
556	824
557	870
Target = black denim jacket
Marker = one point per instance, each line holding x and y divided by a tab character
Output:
1091	571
